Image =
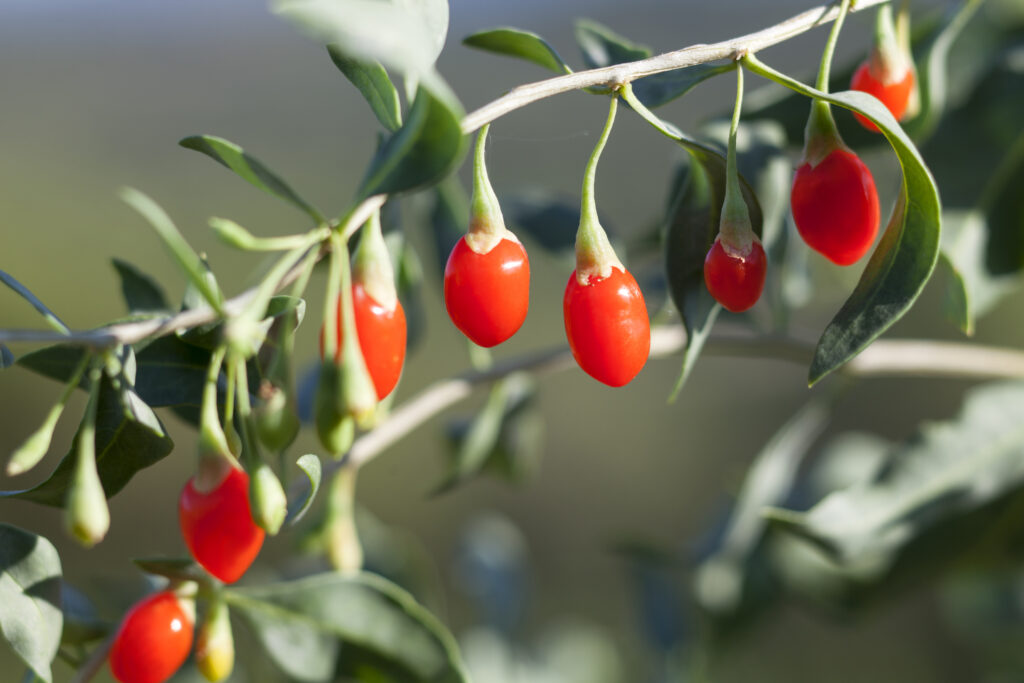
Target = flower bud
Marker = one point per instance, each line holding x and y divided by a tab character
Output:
277	425
215	646
269	502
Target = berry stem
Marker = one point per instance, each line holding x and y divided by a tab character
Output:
821	137
333	289
358	395
734	225
486	223
594	254
215	459
830	47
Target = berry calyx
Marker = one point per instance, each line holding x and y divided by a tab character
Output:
487	276
607	326
835	206
382	336
218	527
888	72
488	294
734	278
154	639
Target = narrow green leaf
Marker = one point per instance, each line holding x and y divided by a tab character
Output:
30	598
173	568
7	358
171	372
310	465
406	36
517	43
423	151
250	169
660	89
23	291
303	624
187	258
141	292
948	472
906	255
373	82
603	47
129	438
57	362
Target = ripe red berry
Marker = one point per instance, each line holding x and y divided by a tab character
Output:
835	206
607	326
382	335
736	280
894	93
153	640
218	526
487	295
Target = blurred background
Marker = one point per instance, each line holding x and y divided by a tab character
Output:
580	571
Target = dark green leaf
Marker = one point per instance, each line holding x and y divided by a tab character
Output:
249	169
603	47
906	255
82	624
129	438
303	624
173	568
517	43
423	151
171	373
409	279
406	36
946	472
141	293
549	220
30	598
28	296
659	89
449	218
57	362
310	465
6	357
373	82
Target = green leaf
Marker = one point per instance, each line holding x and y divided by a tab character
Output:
129	438
57	362
30	598
517	43
906	255
373	82
405	36
190	262
303	624
250	169
310	464
548	219
173	568
23	291
82	624
945	474
171	372
6	357
603	47
449	218
141	292
423	151
660	89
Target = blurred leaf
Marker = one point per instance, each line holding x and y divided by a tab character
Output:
30	598
373	82
57	362
6	357
82	624
303	624
945	473
517	43
423	151
904	259
249	169
190	262
404	35
23	291
409	279
660	89
720	580
129	438
310	465
171	373
548	219
141	292
603	47
207	336
173	568
449	218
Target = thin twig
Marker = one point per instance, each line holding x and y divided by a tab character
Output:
619	74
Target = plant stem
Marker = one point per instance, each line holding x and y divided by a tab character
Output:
595	256
830	47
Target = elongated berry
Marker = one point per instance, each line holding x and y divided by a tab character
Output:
488	294
735	279
218	526
607	326
894	92
835	206
382	336
154	639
